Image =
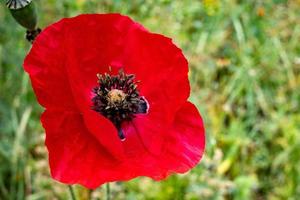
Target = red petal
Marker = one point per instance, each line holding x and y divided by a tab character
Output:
150	130
119	42
45	64
162	69
105	132
92	44
186	142
74	155
95	42
182	147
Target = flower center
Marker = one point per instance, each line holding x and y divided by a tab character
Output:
117	98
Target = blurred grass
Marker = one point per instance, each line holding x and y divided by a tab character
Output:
245	74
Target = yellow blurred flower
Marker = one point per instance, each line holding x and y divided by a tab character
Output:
260	11
211	6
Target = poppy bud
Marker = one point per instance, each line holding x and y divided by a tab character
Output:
24	12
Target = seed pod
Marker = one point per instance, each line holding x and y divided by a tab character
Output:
24	12
17	4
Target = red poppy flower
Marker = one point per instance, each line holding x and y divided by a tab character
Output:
115	99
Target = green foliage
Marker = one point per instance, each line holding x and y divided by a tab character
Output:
245	74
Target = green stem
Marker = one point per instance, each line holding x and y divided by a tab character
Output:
72	192
107	191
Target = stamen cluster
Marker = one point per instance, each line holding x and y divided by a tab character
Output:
117	98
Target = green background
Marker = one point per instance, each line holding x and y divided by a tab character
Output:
244	59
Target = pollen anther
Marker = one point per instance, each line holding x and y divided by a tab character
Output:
116	96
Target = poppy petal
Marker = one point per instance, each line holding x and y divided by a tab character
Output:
92	44
105	132
45	64
180	150
162	69
150	131
186	142
74	155
124	44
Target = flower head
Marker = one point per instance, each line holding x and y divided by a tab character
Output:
115	99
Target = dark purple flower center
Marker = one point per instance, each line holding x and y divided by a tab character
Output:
117	98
